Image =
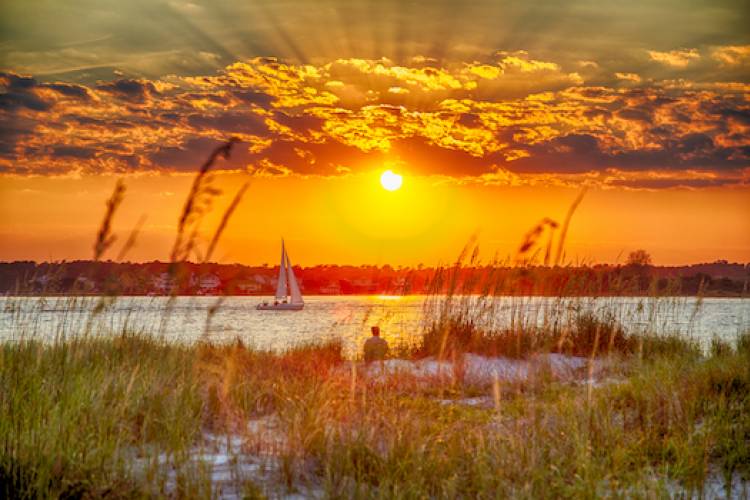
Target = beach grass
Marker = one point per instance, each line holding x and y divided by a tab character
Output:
123	416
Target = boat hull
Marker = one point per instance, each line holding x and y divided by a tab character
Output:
280	307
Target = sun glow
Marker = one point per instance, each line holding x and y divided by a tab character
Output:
391	181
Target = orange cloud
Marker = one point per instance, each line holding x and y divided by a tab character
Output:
514	114
675	58
521	61
732	55
630	77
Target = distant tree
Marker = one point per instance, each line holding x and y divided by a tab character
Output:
639	258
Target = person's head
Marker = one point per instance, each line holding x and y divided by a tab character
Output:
375	331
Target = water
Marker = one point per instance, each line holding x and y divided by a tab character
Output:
186	319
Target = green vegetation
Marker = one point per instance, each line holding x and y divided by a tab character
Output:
586	335
124	416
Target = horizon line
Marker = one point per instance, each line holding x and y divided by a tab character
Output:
402	266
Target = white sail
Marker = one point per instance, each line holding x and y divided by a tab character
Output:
281	283
286	273
296	295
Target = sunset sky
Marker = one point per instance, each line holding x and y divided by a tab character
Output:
496	113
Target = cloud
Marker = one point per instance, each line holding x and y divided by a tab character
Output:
21	92
675	58
732	55
229	122
630	77
73	152
425	78
509	118
11	132
22	98
70	90
588	64
612	178
655	179
131	90
521	61
184	156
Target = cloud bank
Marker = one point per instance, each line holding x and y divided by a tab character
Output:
510	118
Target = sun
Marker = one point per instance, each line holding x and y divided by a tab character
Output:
391	181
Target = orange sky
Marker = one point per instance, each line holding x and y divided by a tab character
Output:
497	113
351	219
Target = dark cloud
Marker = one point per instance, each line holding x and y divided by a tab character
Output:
254	97
574	153
741	115
18	92
469	120
87	121
229	122
425	158
191	153
11	131
695	144
329	157
73	152
131	90
187	156
639	114
125	162
70	90
675	183
11	101
21	92
299	123
17	95
17	82
577	153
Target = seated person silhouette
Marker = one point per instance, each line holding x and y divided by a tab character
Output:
376	348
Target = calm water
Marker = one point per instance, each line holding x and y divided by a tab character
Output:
345	317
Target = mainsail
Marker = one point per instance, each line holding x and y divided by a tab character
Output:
281	283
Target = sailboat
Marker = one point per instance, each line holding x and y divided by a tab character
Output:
288	295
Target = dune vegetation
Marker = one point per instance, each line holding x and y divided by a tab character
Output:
126	415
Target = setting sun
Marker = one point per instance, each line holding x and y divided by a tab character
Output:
391	181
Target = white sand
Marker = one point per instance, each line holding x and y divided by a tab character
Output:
484	370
